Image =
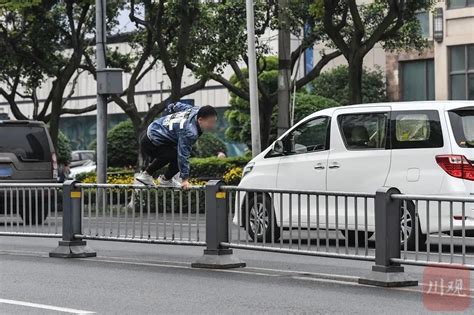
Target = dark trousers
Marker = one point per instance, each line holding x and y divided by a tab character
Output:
158	157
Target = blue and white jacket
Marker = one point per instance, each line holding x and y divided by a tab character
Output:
179	128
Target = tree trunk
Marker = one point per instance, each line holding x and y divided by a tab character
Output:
175	89
56	106
266	111
141	163
355	79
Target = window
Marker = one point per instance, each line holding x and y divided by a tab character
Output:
366	131
310	136
461	72
417	80
75	157
424	20
462	122
416	129
456	4
412	127
29	144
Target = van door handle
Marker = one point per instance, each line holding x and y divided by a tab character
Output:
334	165
319	166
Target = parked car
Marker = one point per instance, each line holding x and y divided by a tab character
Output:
418	147
87	167
81	157
26	156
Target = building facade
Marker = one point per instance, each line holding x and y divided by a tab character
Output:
445	71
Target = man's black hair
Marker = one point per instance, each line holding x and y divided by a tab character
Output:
206	111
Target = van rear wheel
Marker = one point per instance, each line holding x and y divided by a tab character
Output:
409	228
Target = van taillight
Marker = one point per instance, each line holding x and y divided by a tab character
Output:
54	165
457	166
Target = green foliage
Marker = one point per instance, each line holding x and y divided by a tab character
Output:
333	85
214	167
238	115
208	145
306	104
355	28
201	168
122	145
63	149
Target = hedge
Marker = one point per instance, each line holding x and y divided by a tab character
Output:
201	168
214	167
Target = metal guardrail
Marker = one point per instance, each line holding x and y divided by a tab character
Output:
31	209
387	227
444	221
142	214
329	224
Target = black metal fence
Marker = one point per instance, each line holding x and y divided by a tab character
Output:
387	227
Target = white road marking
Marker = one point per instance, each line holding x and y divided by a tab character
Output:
45	307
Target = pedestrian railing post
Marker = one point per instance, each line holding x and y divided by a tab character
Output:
71	246
217	220
385	272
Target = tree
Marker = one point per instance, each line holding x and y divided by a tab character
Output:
43	40
355	29
122	145
307	104
238	115
231	30
208	145
176	34
63	150
333	84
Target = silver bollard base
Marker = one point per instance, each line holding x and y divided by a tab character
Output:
388	279
72	249
219	259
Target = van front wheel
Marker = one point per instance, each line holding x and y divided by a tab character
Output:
259	223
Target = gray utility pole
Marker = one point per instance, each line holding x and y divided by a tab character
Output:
253	85
284	68
100	40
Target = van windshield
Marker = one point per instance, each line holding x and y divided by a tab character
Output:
462	122
29	144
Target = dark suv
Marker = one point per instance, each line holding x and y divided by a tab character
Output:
26	156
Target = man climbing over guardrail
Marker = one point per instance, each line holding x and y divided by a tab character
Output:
169	141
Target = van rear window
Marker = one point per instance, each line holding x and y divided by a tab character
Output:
29	144
416	130
462	122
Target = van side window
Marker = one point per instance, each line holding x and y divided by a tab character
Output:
416	129
310	136
366	131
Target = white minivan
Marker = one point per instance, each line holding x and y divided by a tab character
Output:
424	148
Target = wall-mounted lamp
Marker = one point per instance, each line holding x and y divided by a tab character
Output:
438	25
149	99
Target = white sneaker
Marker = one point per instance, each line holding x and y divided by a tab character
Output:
169	183
145	179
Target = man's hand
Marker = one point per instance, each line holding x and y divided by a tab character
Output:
185	184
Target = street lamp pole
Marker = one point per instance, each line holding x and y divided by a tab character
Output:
253	87
101	99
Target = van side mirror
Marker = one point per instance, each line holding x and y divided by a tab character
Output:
278	147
